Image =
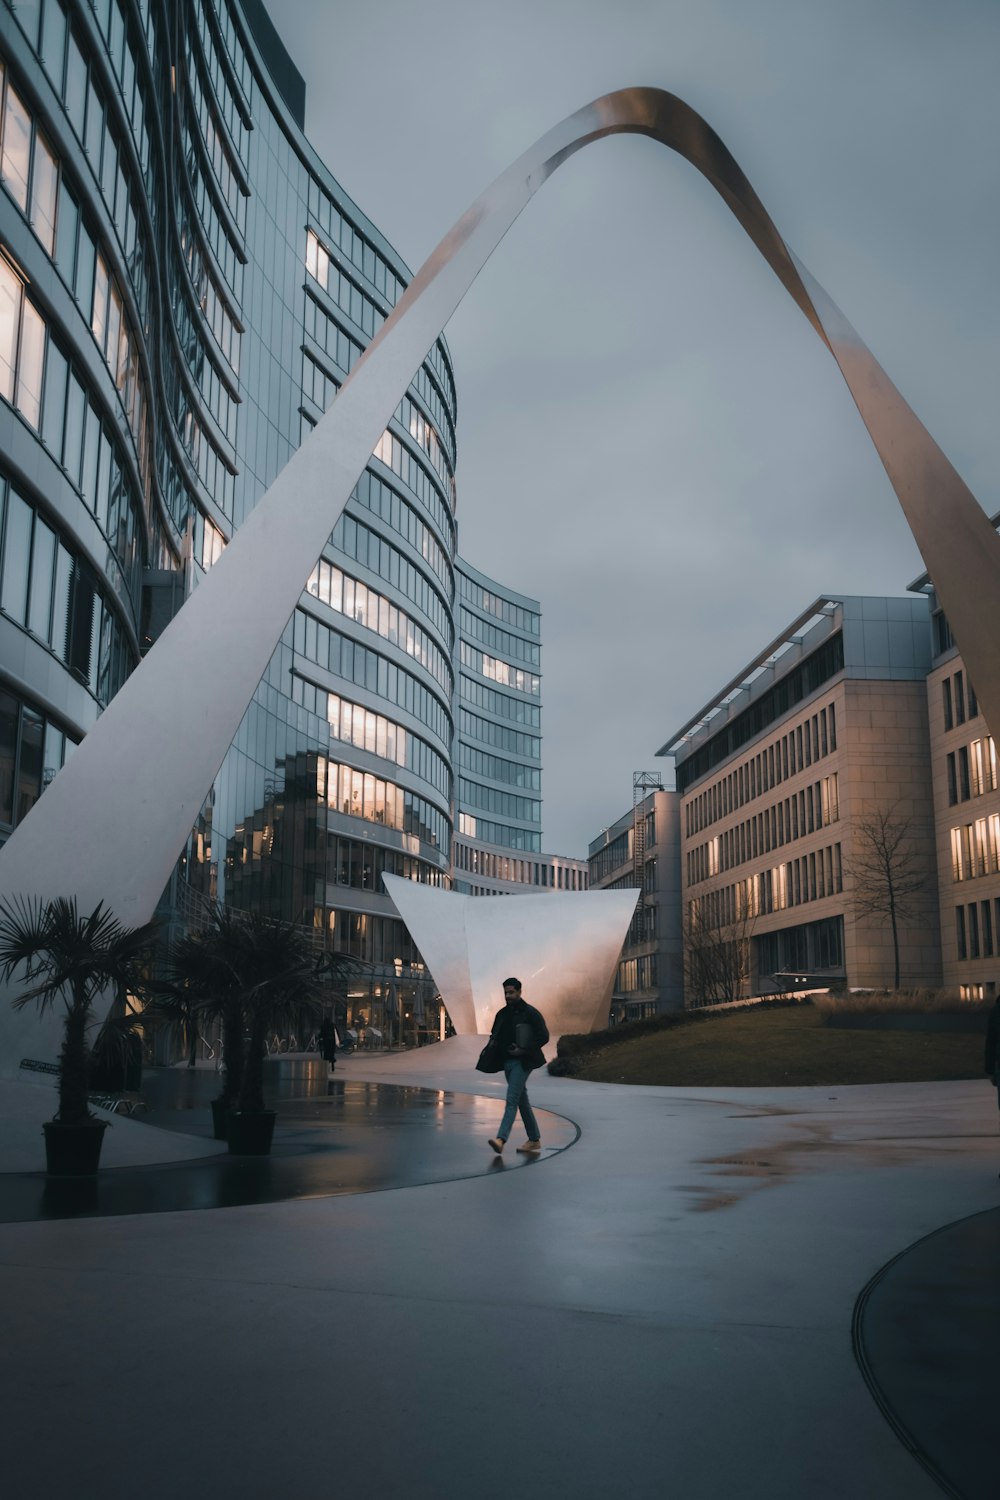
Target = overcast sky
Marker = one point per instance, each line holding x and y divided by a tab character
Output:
652	441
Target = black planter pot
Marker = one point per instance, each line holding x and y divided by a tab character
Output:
73	1150
250	1133
220	1119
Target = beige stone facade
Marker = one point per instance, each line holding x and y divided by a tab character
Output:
778	778
649	979
967	827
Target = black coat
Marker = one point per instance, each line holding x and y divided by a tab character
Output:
511	1016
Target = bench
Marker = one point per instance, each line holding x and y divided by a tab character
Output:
123	1103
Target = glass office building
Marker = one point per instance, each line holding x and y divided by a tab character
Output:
183	288
498	796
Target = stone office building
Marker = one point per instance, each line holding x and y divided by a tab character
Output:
963	765
642	850
777	777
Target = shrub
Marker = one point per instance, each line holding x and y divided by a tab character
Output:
897	1002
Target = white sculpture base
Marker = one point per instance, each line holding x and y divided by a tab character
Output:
564	948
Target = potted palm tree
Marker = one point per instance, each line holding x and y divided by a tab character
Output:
73	959
209	973
256	975
285	979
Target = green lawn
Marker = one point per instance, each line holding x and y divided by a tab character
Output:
769	1048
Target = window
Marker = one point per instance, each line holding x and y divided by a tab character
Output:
317	260
31	361
44	193
973	931
946	703
29	770
961	852
16	558
959	698
16	155
10	316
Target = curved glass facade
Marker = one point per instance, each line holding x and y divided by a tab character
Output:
183	288
498	798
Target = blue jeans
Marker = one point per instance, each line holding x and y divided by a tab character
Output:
517	1099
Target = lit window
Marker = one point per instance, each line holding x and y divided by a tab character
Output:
317	260
29	374
44	189
16	148
982	862
10	316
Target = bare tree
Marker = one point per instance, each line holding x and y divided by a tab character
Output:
888	875
717	950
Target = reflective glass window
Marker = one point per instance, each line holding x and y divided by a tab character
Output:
54	752
54	408
76	405
95	128
114	332
75	94
91	447
29	773
61	600
9	714
109	171
84	286
44	191
99	320
29	374
43	554
10	312
16	153
54	41
16	556
28	14
69	218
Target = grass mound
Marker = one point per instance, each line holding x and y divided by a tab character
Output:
781	1045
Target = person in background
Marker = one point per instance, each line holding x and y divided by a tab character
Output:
520	1033
327	1039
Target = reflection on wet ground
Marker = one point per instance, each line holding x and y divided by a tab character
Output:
781	1160
330	1139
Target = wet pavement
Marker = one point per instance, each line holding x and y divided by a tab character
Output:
927	1332
330	1138
668	1308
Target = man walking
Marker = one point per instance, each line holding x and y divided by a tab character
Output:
519	1033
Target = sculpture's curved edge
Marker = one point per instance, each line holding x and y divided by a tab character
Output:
106	830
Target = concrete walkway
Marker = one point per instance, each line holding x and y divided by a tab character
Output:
663	1309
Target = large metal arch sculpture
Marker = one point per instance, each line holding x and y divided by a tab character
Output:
113	822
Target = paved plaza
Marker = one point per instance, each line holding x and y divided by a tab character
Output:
662	1305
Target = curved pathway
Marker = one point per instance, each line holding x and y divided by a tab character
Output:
664	1310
